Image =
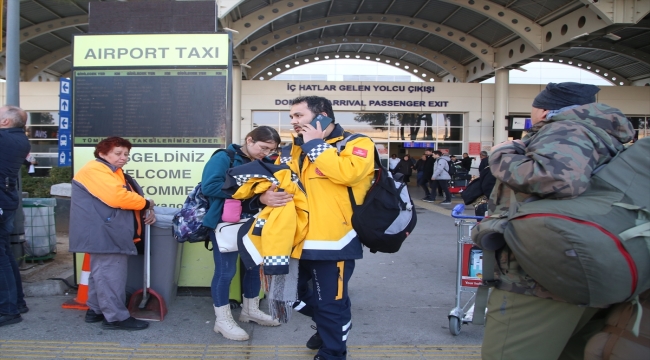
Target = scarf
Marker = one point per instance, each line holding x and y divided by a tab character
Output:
282	292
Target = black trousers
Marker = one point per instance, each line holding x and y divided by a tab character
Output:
424	184
444	185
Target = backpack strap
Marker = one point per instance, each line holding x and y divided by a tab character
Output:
447	165
619	329
447	162
483	291
489	263
340	145
231	155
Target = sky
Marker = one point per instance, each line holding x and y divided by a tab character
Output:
364	70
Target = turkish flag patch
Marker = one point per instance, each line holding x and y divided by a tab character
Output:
360	152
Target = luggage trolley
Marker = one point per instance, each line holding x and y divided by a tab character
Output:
464	283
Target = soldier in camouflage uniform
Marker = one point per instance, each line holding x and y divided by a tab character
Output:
554	160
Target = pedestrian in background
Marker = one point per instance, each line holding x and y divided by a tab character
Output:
466	162
419	168
392	162
15	147
429	186
484	161
405	167
441	176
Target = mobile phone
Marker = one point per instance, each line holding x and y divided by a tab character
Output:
323	120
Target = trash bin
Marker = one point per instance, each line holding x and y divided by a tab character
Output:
40	229
17	236
166	255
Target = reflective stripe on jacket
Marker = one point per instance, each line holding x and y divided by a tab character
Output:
326	175
277	233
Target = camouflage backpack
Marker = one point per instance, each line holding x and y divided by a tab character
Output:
187	224
591	250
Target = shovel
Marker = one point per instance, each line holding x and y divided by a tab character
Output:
146	304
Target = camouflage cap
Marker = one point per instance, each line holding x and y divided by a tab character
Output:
557	96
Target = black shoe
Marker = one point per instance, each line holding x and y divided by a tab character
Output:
129	324
10	319
23	309
93	317
318	357
314	342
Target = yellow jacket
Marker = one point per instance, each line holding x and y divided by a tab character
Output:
326	175
277	233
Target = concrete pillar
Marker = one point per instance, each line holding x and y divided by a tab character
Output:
501	82
236	104
13	52
13	98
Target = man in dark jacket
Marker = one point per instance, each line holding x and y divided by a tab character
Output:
484	161
15	147
466	162
426	183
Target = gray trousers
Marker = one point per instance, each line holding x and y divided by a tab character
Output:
107	286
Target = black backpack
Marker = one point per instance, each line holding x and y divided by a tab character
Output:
452	169
387	215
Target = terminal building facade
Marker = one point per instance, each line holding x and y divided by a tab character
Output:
402	118
451	45
405	118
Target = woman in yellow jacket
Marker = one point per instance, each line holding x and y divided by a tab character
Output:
106	218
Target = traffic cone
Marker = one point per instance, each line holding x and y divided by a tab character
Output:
79	302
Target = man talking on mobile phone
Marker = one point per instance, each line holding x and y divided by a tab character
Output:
331	245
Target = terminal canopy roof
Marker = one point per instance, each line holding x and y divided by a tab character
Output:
437	40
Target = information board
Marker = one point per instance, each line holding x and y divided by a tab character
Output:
168	94
151	107
65	131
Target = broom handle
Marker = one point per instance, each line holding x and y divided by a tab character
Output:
147	267
147	256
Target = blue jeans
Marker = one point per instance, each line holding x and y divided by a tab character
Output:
225	267
11	287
